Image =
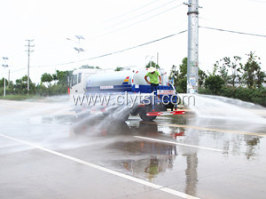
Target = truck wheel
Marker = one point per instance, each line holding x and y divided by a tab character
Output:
144	117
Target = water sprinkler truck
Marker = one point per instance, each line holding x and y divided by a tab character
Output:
99	82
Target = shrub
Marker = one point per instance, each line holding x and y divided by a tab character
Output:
214	83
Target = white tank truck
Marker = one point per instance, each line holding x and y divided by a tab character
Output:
92	82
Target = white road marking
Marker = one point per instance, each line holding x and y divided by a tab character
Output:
177	143
214	129
131	178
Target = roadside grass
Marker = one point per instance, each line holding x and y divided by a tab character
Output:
19	97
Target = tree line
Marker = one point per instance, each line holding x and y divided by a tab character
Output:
230	77
51	84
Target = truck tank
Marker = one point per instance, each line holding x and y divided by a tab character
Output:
133	82
121	81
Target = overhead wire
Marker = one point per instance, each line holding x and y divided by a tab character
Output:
151	42
140	21
232	31
258	1
133	10
144	44
116	52
143	13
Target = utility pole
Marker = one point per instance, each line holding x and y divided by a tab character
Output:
158	58
8	78
5	65
193	41
29	51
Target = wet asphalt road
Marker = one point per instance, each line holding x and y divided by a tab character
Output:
45	152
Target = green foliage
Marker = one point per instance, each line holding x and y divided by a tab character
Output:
62	77
18	97
259	96
47	77
260	78
181	85
54	77
56	89
214	83
183	68
20	86
230	69
252	71
253	95
180	80
118	68
180	77
2	82
202	77
152	64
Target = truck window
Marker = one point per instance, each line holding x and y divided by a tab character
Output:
74	80
79	78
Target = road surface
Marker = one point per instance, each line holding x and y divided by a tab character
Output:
46	152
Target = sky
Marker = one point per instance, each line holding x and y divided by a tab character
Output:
108	26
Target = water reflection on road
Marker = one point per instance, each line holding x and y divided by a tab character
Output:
183	168
211	160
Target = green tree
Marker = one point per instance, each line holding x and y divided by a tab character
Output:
214	83
180	77
54	77
223	71
152	64
2	82
46	77
202	77
229	69
252	71
63	76
21	86
183	68
260	78
236	67
118	68
180	81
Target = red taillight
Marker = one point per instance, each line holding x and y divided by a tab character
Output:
177	112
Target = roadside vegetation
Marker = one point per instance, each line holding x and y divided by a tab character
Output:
230	77
19	97
51	84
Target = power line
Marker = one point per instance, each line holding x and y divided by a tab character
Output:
19	69
143	13
143	20
232	31
118	51
258	1
134	10
130	48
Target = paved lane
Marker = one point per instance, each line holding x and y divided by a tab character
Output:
45	152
